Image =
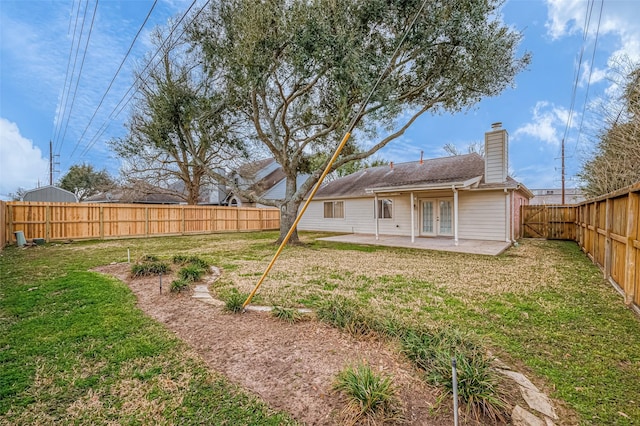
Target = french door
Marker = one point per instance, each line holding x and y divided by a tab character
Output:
436	217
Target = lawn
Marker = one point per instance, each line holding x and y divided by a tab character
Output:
75	348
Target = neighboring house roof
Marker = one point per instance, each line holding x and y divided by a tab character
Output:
265	178
51	194
459	170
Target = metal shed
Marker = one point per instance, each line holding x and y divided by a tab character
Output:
51	194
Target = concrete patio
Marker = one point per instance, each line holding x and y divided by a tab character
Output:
491	248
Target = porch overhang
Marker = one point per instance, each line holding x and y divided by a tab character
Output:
423	187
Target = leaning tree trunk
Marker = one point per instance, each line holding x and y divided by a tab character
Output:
288	214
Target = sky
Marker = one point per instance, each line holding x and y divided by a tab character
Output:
59	82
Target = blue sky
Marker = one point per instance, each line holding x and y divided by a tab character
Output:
36	39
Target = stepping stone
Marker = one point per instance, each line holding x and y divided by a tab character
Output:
520	379
521	417
539	402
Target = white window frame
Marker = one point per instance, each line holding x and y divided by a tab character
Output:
382	202
334	209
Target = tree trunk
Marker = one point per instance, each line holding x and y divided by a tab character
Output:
288	213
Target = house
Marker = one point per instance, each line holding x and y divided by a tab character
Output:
51	194
554	196
458	197
264	178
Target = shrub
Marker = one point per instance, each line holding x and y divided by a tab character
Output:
180	259
369	397
149	268
191	273
234	300
289	315
478	382
178	285
345	314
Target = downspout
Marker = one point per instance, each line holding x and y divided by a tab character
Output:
375	215
413	223
455	215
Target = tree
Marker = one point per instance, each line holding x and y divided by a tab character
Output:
178	129
614	163
84	181
473	147
297	73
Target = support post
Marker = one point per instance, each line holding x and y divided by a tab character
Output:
413	221
630	278
455	216
607	238
375	215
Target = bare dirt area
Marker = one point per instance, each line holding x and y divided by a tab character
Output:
290	366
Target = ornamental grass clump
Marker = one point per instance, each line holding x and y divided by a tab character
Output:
178	285
370	398
233	301
149	267
289	315
478	382
191	273
345	314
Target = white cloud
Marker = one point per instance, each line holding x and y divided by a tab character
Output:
547	123
619	19
21	163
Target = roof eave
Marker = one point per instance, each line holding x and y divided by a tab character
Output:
466	184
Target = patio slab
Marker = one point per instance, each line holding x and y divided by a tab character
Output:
491	248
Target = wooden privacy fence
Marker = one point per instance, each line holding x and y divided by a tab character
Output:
607	230
553	222
77	221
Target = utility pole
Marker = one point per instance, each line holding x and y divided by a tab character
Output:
562	170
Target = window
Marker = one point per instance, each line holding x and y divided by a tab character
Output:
385	208
334	210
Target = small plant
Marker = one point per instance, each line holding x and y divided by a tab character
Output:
191	273
289	315
178	285
234	301
149	268
180	259
478	382
149	258
345	314
370	398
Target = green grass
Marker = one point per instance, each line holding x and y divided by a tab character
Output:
542	307
289	315
76	350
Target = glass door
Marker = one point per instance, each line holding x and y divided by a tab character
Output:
445	210
428	223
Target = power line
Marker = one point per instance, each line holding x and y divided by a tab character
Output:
59	117
593	57
114	77
129	94
75	90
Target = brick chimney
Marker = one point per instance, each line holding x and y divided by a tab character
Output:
496	154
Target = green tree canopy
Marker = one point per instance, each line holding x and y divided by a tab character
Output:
84	181
296	72
178	129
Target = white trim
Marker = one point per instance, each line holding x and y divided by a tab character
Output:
428	187
413	221
375	215
455	216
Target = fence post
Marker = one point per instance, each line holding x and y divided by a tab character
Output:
633	204
10	219
607	238
101	222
